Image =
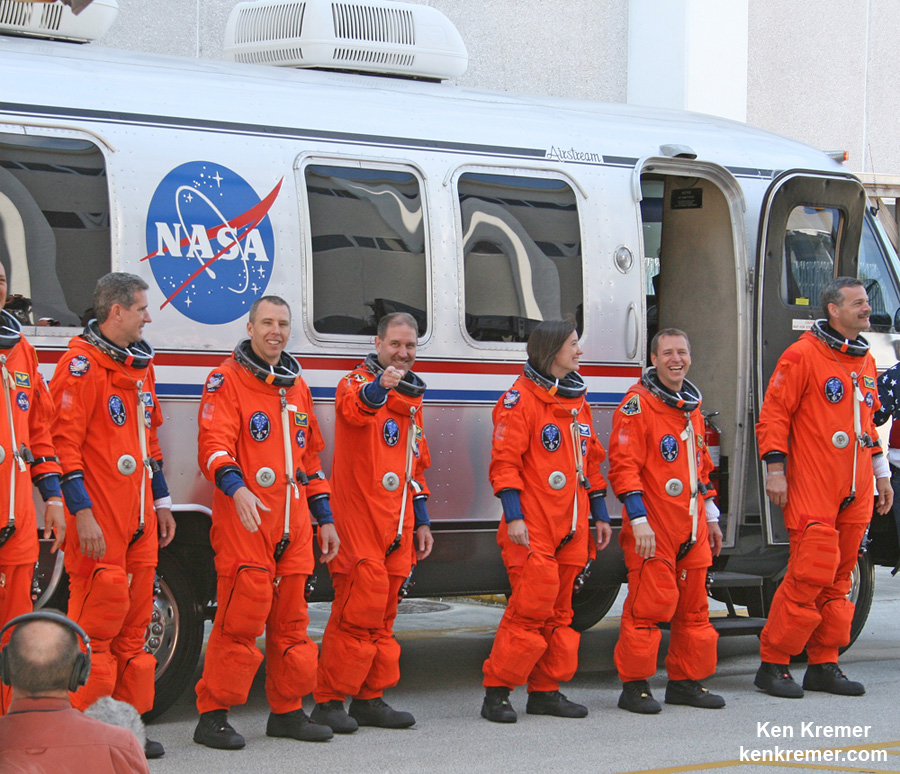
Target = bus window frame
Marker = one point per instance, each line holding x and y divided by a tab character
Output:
452	181
357	161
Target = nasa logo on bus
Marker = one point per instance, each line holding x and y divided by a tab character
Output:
391	432
301	438
668	447
510	399
79	365
550	437
215	381
116	409
259	426
210	241
22	401
834	389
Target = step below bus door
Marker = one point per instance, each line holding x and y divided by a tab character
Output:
810	229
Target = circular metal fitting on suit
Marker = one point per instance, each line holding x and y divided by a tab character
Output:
126	464
265	477
840	440
674	487
390	481
557	479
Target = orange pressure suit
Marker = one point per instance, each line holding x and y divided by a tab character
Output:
650	455
374	447
249	417
535	452
104	431
808	414
27	403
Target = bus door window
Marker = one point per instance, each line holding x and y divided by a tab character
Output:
368	248
521	254
54	226
880	283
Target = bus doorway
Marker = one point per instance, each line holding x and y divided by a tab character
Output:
694	262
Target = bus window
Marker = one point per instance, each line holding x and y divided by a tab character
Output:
521	253
368	248
54	226
877	278
809	242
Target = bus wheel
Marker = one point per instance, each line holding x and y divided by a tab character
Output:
175	634
591	604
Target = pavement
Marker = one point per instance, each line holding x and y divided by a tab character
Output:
444	644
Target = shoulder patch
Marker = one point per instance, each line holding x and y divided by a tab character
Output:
356	377
632	406
868	381
301	419
215	381
511	398
24	380
79	365
791	355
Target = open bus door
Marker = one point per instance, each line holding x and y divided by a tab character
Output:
810	231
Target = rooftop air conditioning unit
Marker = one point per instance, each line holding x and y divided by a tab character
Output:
56	21
378	36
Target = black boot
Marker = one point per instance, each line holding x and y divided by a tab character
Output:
377	712
776	680
496	706
332	714
153	749
554	703
213	730
295	725
830	678
693	694
636	697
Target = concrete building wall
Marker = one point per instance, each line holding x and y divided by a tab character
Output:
820	71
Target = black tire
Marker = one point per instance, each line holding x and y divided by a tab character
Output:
591	604
175	634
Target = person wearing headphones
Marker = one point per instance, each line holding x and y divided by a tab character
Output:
42	733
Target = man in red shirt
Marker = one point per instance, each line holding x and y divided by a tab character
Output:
818	439
42	733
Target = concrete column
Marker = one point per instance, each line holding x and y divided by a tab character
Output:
689	55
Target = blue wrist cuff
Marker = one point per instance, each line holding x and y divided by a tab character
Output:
320	508
48	486
421	512
634	505
374	394
512	505
76	495
599	511
230	482
159	486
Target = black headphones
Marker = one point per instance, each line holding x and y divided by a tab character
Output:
82	668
